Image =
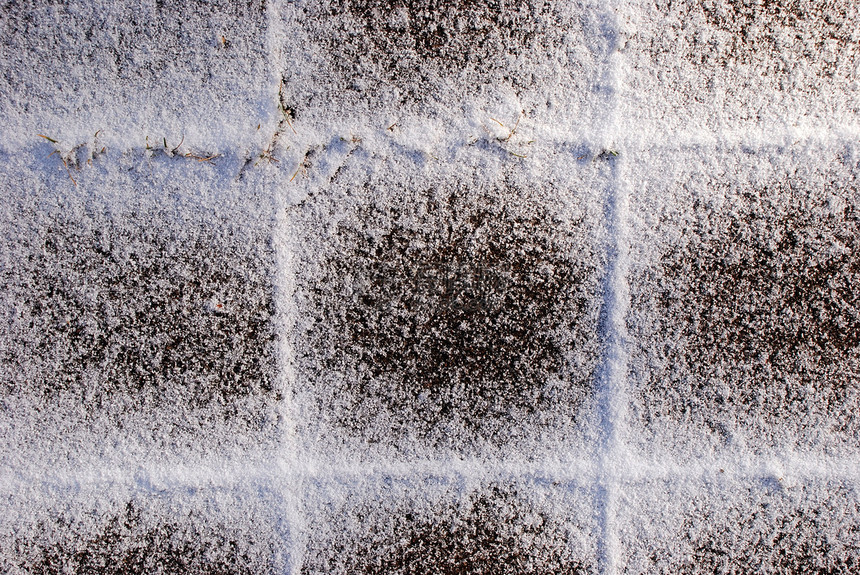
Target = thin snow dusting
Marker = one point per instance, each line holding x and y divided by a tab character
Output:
455	308
746	313
478	527
372	286
724	65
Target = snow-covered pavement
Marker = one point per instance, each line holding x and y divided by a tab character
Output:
359	286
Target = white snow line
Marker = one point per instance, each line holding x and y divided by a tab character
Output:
215	474
612	392
805	468
285	475
644	140
635	141
285	320
290	485
638	141
580	471
611	384
292	467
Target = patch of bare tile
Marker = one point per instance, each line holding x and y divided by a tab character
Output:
489	528
728	64
447	311
747	325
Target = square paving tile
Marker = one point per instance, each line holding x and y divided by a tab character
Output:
724	65
434	525
134	70
444	59
744	313
435	310
118	530
136	314
771	524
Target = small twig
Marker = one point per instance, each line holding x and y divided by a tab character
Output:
174	150
266	156
69	172
199	158
514	130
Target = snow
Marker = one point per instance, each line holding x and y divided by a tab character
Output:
743	308
722	524
337	286
389	238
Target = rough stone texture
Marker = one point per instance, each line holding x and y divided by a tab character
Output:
151	535
172	67
736	63
768	526
136	320
445	315
753	312
492	528
405	56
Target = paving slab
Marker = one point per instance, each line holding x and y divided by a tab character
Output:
126	529
722	66
387	62
426	525
134	70
718	524
742	312
450	306
139	311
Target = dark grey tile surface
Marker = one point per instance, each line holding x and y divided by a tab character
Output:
743	65
442	58
135	69
138	317
768	524
207	531
448	312
745	318
435	526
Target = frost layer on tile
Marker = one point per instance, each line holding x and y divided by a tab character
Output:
766	525
136	312
407	56
135	69
435	526
445	309
204	532
746	315
730	64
